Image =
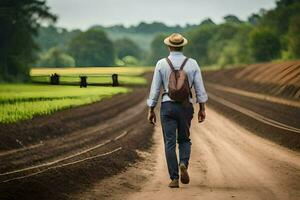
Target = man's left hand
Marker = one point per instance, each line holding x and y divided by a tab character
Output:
201	116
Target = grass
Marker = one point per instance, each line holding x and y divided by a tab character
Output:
91	71
128	80
218	67
24	101
96	75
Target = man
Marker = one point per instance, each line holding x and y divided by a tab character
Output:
176	116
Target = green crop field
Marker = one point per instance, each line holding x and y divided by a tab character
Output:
24	101
95	75
91	71
124	80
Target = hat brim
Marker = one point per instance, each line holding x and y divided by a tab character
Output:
168	43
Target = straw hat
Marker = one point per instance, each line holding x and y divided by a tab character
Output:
176	40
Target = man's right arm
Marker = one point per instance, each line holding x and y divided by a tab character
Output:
154	94
155	87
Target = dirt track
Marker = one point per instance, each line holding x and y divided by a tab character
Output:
83	160
228	162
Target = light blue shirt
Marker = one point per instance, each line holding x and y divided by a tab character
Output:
161	78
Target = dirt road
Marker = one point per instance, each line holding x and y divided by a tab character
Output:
227	162
79	153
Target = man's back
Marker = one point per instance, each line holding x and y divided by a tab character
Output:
162	74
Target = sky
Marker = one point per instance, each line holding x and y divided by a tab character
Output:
85	13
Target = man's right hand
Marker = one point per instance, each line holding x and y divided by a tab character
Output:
151	117
201	113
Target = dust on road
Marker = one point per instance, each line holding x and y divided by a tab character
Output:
227	162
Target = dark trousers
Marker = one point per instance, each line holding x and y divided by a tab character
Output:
176	120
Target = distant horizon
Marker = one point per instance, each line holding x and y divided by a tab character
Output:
76	14
136	24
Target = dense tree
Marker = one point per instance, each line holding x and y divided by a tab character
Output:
130	61
264	44
222	36
294	37
207	21
269	34
282	20
236	50
126	47
198	45
92	48
232	19
55	57
19	22
158	49
254	19
51	36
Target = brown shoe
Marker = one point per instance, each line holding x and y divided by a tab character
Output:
184	175
174	184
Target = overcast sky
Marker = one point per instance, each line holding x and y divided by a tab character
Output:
85	13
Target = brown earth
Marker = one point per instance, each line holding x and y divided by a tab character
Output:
233	154
61	123
64	153
259	80
227	162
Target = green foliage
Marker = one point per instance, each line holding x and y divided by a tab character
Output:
264	44
146	28
222	44
92	48
281	20
55	57
143	33
294	37
130	61
254	19
51	36
19	22
222	35
158	49
77	71
198	44
235	50
207	21
124	80
232	19
21	102
126	47
268	35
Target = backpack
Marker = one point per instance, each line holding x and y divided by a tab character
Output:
179	89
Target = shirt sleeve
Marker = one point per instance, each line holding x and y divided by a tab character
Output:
155	87
201	96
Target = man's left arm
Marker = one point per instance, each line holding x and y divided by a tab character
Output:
201	95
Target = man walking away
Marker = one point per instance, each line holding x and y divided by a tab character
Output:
177	74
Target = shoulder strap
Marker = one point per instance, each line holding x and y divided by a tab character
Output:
183	64
170	64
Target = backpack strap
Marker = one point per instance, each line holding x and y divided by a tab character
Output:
183	64
170	64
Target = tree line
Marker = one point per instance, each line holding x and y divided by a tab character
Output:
268	35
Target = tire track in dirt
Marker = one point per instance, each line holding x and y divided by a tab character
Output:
227	162
63	146
274	121
73	161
